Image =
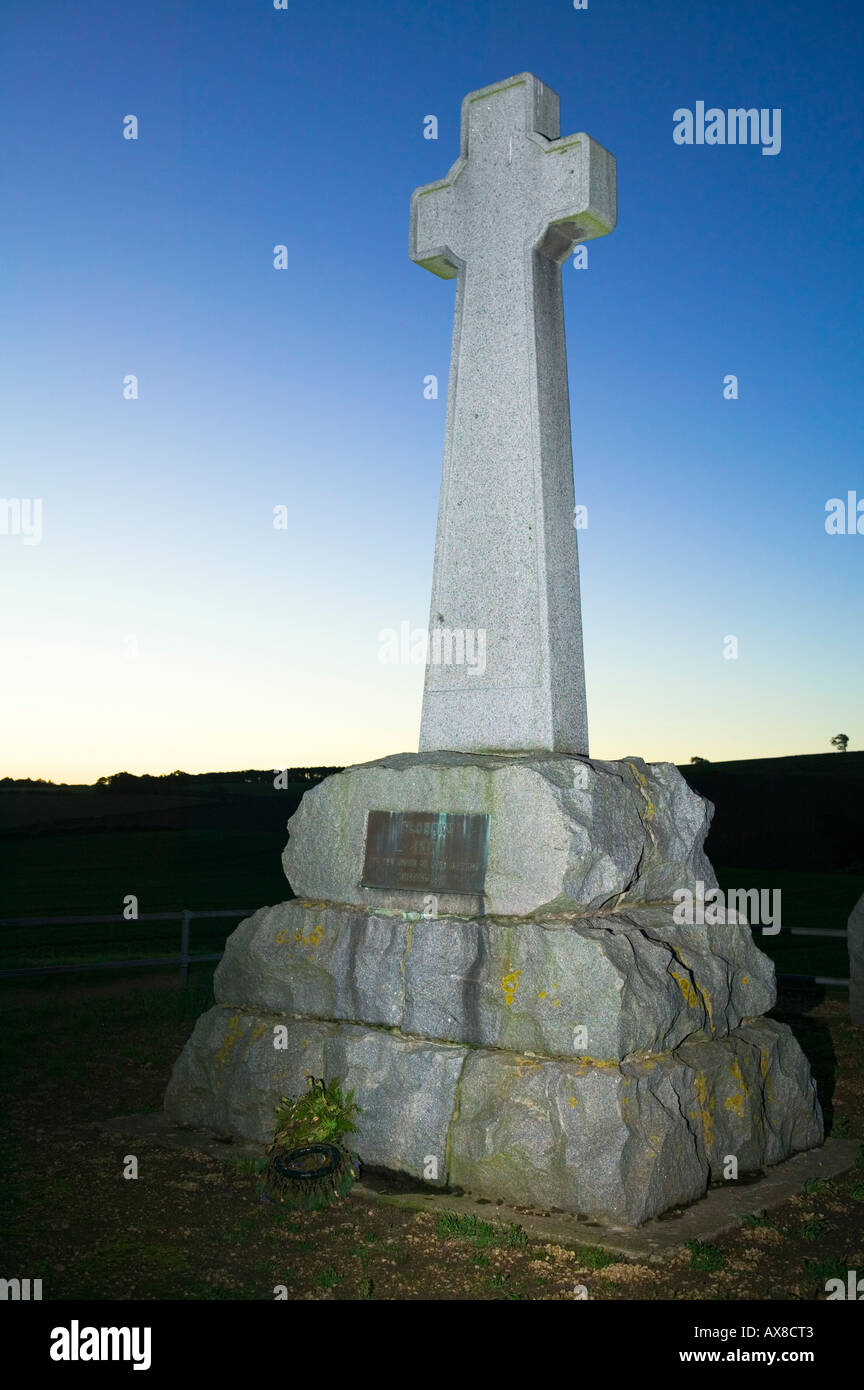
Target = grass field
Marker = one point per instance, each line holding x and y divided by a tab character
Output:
821	901
65	854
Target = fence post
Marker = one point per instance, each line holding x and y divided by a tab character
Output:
184	947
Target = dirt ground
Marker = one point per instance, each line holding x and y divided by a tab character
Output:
195	1227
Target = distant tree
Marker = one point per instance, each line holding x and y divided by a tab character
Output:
700	760
29	782
118	782
840	742
209	782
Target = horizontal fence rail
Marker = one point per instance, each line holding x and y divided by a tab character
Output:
811	931
814	979
185	916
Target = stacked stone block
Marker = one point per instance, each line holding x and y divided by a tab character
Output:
563	1043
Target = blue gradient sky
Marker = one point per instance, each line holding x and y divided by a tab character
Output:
259	647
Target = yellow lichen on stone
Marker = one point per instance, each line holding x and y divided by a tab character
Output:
686	987
736	1101
706	1108
643	783
693	991
524	1064
409	942
315	937
232	1034
556	1003
510	984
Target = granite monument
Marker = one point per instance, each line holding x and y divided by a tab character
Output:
483	944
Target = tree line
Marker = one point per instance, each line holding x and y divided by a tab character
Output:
178	780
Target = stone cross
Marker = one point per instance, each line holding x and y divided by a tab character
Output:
506	669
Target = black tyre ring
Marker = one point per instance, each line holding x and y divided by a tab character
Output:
287	1165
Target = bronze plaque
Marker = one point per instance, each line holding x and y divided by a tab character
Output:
440	851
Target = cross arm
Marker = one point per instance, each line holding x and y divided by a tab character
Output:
431	213
578	181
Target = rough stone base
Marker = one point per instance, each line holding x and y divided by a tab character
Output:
559	1040
566	834
604	987
619	1142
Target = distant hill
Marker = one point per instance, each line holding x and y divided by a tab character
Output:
180	801
804	812
213	841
